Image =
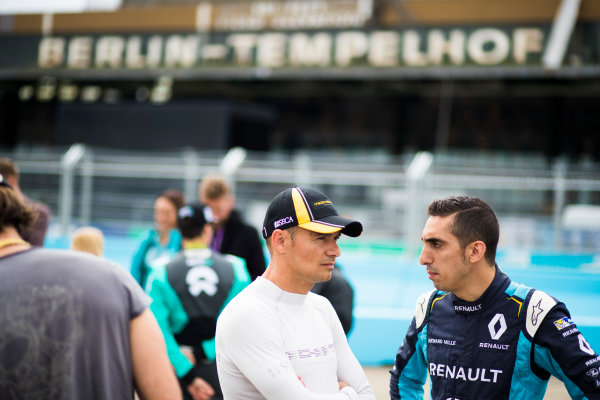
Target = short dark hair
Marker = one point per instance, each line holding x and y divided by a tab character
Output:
474	220
174	196
292	231
15	212
191	220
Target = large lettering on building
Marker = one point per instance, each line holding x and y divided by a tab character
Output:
486	46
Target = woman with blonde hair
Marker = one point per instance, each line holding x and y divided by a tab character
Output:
88	239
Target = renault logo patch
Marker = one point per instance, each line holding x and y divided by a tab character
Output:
497	333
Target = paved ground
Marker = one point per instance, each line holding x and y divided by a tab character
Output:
380	380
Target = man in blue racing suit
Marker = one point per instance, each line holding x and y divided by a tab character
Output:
478	334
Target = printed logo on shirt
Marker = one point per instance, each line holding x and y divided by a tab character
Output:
592	373
585	346
202	279
468	308
497	326
570	332
536	311
283	221
563	323
464	374
592	361
496	346
446	342
277	370
311	353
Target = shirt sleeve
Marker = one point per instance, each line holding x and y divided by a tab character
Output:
260	356
138	299
138	264
240	281
409	372
562	350
171	317
348	367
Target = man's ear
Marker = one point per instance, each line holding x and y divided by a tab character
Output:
279	240
475	251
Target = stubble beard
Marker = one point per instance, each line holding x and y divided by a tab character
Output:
461	273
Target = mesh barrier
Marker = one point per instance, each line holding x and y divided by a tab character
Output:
524	189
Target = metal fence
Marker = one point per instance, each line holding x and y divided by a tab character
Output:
389	194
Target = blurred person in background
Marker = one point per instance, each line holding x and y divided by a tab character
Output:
340	294
68	332
232	235
37	232
160	244
188	294
88	239
478	334
277	340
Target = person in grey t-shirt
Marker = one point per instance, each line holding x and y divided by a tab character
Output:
73	326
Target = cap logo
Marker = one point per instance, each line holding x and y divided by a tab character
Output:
185	212
323	203
282	221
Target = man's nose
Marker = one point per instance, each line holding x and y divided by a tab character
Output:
424	258
334	249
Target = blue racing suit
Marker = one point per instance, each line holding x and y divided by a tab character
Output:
505	345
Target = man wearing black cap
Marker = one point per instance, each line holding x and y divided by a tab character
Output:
188	294
276	340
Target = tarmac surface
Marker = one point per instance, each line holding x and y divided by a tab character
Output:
379	378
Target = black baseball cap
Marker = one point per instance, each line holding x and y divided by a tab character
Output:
309	209
191	219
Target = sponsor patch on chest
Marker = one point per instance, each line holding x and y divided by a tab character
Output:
464	373
495	346
447	342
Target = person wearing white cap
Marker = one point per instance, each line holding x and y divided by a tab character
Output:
277	340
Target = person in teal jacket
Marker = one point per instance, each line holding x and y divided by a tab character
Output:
188	294
160	244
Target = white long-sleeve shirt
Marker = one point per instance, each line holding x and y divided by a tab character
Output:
267	338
